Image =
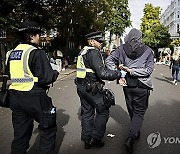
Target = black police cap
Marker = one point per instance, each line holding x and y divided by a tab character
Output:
96	36
29	26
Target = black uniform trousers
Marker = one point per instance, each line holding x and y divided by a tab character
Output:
137	104
94	114
25	109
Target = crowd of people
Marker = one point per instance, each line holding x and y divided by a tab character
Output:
171	59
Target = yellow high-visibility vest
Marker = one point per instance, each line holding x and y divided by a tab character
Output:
81	69
22	78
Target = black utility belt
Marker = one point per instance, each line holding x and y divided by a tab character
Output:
31	92
91	86
80	81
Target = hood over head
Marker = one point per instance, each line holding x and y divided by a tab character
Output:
134	38
133	46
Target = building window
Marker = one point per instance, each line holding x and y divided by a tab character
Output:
177	28
178	15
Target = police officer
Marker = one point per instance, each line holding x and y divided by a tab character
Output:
30	74
138	62
90	73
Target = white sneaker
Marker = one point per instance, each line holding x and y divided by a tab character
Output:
176	83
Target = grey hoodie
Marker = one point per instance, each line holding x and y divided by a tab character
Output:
136	56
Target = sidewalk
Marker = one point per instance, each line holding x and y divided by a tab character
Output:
67	72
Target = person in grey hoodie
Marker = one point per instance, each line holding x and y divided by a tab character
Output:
137	60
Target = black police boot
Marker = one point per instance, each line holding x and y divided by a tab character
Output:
97	143
129	144
87	144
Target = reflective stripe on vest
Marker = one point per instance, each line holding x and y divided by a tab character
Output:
81	69
21	76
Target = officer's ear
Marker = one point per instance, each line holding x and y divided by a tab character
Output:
31	36
89	42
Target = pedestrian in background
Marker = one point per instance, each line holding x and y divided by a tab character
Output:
138	61
30	74
53	60
53	64
90	73
175	63
59	58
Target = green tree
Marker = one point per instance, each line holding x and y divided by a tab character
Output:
159	37
6	9
174	43
117	16
155	34
71	19
150	18
74	19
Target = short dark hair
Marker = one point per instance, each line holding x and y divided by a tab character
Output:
25	37
26	29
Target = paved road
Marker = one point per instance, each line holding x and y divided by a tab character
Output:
163	116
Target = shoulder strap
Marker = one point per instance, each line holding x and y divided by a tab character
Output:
85	49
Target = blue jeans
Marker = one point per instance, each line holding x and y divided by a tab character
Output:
175	72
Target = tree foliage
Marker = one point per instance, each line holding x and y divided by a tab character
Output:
155	34
175	43
71	18
117	16
6	10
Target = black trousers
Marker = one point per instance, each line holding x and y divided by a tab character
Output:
94	114
137	104
25	109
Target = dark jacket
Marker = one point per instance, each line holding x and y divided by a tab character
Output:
41	68
93	59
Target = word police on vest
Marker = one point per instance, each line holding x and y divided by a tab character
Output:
16	55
